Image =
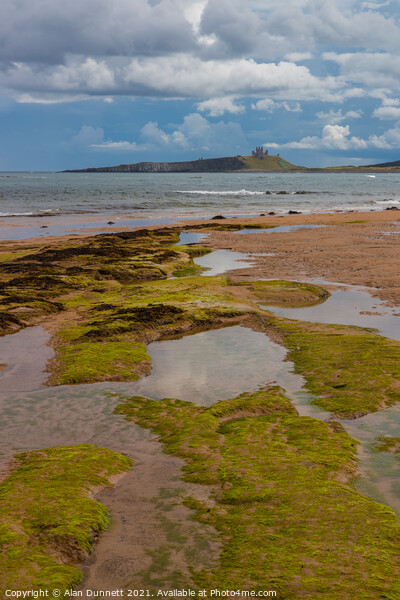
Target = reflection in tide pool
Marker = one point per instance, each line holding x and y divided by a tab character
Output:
192	237
221	261
380	470
350	306
202	368
216	365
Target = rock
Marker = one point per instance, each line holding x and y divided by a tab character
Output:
392	208
217	217
294	212
271	212
110	223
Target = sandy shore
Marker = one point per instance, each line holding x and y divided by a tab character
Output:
351	248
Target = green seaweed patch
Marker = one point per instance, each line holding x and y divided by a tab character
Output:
48	522
349	371
132	315
86	362
288	520
10	256
287	293
387	443
258	226
188	271
193	250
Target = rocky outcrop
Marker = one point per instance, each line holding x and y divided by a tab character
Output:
230	163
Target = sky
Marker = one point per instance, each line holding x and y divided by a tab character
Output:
89	83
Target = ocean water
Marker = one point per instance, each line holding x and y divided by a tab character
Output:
166	195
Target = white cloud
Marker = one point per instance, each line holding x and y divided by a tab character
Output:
298	56
334	137
176	76
266	105
387	113
376	70
218	106
93	137
296	108
194	133
115	146
336	116
153	134
337	137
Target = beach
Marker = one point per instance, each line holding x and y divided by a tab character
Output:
125	317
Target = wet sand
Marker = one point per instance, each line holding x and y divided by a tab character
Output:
345	250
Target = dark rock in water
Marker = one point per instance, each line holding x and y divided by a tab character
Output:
294	212
43	227
281	192
301	192
271	212
268	192
110	223
217	217
262	214
392	208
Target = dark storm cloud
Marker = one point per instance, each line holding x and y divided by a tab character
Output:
47	32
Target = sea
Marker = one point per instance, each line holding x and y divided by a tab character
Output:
192	195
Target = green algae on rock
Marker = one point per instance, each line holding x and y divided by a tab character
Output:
350	371
386	443
48	522
116	322
282	499
287	293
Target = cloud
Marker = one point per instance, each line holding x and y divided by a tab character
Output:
376	70
218	106
337	137
201	134
170	77
48	32
336	116
334	137
115	146
268	105
195	133
387	113
298	56
200	49
151	133
93	137
340	23
88	136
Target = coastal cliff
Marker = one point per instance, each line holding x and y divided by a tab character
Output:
229	163
203	165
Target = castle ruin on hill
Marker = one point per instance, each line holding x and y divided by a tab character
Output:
259	152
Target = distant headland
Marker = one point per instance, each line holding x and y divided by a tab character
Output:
259	161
